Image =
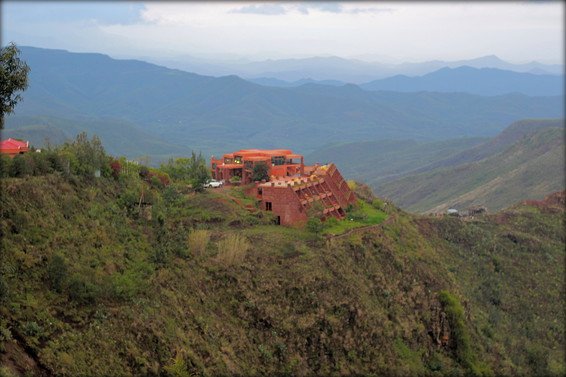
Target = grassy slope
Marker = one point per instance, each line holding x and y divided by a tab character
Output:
134	300
531	168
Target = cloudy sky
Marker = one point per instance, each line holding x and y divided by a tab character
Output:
396	31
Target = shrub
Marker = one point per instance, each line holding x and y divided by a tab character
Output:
116	168
127	285
57	273
57	162
155	182
260	172
232	249
81	291
32	329
4	291
197	241
7	372
143	172
20	167
41	163
129	200
330	222
314	225
5	165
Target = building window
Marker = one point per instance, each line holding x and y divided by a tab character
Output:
268	206
259	191
278	160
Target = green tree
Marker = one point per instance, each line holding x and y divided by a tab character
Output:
86	156
200	173
260	172
193	170
13	79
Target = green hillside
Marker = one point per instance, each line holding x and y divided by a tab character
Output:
120	275
530	168
226	113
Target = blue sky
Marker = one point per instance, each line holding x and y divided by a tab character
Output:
395	31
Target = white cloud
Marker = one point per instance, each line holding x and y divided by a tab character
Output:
516	31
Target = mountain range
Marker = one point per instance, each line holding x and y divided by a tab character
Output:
216	114
335	68
526	160
484	81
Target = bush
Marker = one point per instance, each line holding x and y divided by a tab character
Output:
5	165
197	241
4	291
232	249
116	168
143	172
127	285
81	291
314	225
57	273
260	172
20	167
40	162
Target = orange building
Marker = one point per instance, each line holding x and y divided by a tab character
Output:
280	163
293	188
290	198
13	147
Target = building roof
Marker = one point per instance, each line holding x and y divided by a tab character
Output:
13	144
262	152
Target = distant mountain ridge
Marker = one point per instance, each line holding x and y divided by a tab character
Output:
484	81
215	114
346	70
464	79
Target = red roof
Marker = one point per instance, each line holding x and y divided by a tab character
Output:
13	144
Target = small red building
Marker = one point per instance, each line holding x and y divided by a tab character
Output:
293	189
13	147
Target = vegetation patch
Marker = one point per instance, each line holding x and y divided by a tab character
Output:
360	215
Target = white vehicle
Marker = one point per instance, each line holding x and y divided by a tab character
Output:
214	183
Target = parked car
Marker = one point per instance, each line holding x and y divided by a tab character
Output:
214	183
